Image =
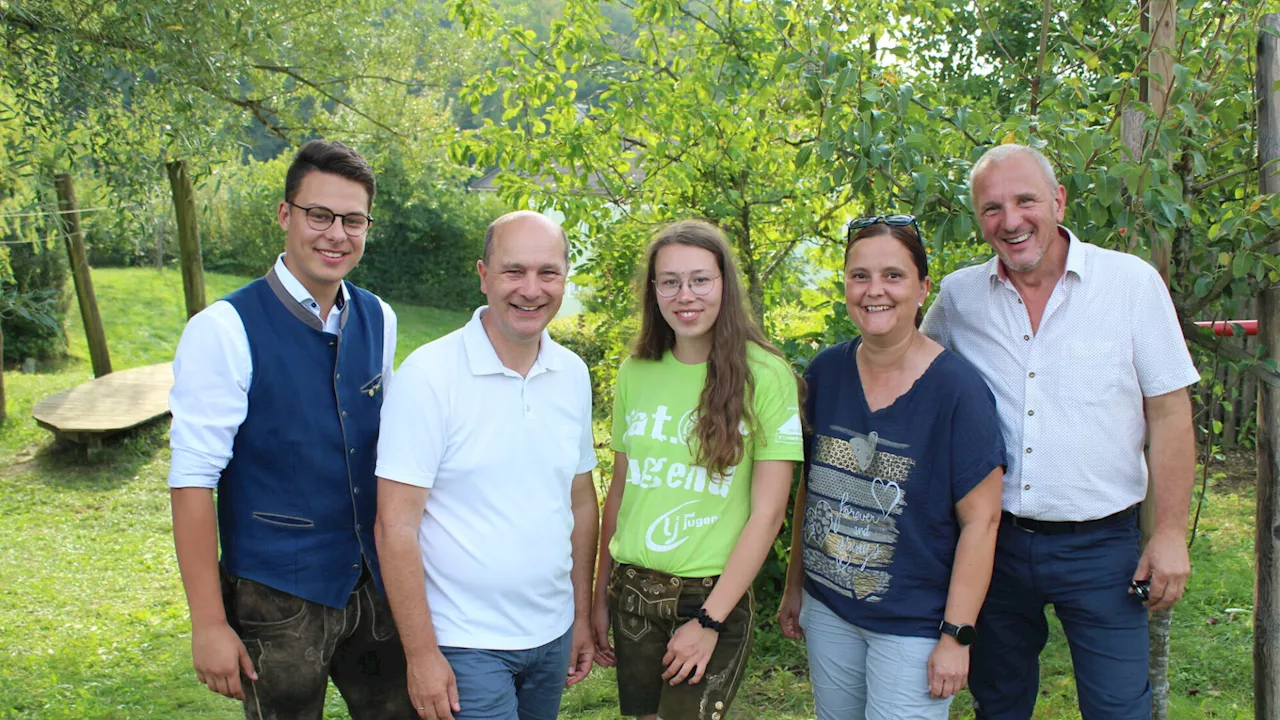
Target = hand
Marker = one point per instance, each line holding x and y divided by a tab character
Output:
948	668
219	657
600	631
689	651
432	686
1167	565
582	652
789	613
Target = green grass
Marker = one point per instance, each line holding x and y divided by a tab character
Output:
93	622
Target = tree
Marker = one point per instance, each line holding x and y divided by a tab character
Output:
780	120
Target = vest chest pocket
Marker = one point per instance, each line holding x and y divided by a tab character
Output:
372	388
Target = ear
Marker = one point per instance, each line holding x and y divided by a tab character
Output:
1060	195
484	276
282	214
928	285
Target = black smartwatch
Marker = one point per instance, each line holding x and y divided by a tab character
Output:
964	634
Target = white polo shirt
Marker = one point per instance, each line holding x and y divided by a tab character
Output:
499	453
1070	394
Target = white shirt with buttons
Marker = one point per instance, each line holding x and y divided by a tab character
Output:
212	372
499	453
1070	395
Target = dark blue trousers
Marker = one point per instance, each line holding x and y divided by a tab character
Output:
1086	578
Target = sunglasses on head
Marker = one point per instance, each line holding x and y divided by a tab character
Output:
890	220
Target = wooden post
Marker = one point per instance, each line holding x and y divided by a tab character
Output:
4	407
1266	601
184	207
69	218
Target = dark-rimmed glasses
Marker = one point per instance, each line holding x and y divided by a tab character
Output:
890	220
321	218
670	285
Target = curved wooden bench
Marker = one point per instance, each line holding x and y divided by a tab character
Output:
107	405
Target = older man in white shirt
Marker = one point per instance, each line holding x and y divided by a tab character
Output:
487	514
1083	351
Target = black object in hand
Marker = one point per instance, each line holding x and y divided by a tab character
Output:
1141	588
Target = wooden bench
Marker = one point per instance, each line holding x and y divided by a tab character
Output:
107	405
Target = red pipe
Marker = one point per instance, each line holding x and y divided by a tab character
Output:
1226	327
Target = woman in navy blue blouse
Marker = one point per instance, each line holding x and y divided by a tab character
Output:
895	526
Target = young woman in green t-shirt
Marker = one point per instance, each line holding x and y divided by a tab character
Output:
706	426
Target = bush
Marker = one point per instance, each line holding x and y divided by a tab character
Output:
38	282
602	343
421	249
425	241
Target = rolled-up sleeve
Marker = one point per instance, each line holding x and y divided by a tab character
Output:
212	370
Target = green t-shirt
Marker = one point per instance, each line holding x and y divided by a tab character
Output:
677	517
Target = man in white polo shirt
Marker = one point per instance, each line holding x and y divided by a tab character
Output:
487	514
1082	349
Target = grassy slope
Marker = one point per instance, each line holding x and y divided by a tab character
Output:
93	622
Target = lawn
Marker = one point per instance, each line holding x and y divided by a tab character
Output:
93	623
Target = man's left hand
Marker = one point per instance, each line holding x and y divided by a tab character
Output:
1167	565
581	653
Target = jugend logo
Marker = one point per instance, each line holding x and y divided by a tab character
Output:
670	530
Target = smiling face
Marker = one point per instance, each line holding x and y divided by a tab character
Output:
1019	211
883	289
524	278
320	259
691	316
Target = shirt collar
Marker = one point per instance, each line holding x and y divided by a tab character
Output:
484	360
299	292
1075	258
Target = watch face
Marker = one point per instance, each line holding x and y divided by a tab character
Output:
966	634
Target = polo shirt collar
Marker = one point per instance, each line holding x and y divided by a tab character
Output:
300	293
1076	252
483	359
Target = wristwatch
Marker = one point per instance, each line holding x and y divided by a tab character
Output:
964	634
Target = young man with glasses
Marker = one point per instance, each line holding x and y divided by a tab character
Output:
276	399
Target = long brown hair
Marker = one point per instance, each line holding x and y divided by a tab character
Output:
728	395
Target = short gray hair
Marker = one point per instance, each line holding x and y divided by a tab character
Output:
1000	153
492	230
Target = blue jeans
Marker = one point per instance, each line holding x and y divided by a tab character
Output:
511	684
858	674
1086	577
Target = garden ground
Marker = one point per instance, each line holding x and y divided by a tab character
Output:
93	622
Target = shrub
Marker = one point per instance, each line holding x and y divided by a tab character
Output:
602	343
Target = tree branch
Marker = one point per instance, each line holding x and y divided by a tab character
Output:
290	72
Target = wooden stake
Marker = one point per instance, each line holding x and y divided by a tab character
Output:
69	218
184	206
1266	601
4	408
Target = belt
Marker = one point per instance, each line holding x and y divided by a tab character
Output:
1062	527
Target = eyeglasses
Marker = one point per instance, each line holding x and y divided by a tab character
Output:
320	218
669	286
890	220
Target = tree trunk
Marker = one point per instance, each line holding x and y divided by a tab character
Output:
1161	18
69	217
1266	602
184	206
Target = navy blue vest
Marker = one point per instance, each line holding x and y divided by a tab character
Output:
296	503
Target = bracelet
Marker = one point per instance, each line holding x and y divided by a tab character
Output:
705	621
